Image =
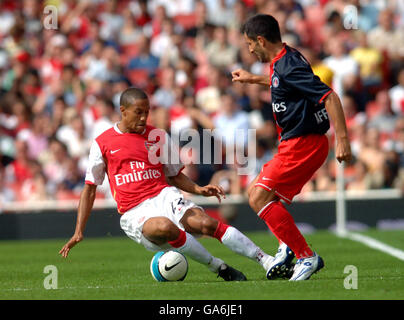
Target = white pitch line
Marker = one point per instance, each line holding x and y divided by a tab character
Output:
62	288
375	244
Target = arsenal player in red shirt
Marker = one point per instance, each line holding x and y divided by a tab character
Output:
154	212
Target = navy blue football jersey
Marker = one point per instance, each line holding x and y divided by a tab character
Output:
297	96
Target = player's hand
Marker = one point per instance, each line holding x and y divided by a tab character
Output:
211	190
70	244
343	150
242	76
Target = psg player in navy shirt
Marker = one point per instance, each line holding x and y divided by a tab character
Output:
302	106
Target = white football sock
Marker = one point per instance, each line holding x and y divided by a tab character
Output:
194	249
239	243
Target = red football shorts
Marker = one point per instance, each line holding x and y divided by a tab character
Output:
293	166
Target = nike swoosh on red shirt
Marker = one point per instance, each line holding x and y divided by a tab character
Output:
264	178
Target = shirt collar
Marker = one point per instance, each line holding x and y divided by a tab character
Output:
280	54
120	132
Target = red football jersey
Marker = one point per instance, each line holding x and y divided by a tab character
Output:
134	174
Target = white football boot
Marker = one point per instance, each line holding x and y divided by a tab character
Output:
281	265
306	267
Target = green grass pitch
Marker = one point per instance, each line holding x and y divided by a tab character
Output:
118	268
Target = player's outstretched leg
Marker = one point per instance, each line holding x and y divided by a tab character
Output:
189	246
162	230
198	222
281	223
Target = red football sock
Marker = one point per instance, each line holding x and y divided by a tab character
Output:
281	223
220	230
179	242
273	232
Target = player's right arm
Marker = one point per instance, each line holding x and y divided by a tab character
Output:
244	76
94	176
86	203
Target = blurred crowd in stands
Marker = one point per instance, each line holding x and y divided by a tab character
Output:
60	87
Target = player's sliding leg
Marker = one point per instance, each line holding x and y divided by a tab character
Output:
268	207
161	230
197	221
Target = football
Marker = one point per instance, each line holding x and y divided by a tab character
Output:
169	266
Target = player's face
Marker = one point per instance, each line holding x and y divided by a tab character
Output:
135	116
255	47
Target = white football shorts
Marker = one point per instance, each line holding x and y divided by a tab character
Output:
169	203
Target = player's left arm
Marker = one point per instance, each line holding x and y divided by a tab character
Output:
181	181
337	117
299	76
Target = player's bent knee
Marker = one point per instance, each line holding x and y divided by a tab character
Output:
165	227
253	200
160	228
208	226
259	197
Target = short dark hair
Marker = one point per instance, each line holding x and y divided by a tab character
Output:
263	25
130	95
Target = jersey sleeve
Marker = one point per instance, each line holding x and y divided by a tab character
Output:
96	166
299	76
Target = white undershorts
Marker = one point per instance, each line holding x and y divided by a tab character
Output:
169	203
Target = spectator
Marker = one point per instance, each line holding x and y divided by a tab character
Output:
318	66
34	189
374	158
73	181
107	116
323	180
353	117
220	13
396	141
379	113
208	98
386	37
172	7
111	21
145	59
231	122
129	32
104	66
344	67
7	194
369	61
20	118
219	52
36	136
361	180
260	114
180	118
164	96
142	16
397	95
54	164
19	170
73	135
163	46
201	21
72	86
